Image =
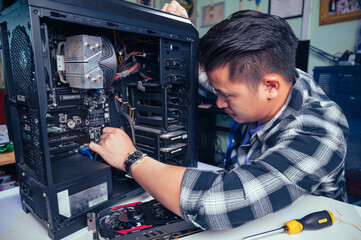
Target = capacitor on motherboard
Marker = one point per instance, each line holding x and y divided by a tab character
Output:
70	124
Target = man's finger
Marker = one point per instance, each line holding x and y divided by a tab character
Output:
103	136
177	9
95	147
172	6
164	8
106	129
184	13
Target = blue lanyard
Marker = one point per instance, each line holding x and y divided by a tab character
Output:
230	142
248	156
252	132
246	141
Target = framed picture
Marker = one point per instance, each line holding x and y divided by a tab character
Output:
212	14
149	3
335	11
286	8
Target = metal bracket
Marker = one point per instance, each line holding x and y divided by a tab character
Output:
92	226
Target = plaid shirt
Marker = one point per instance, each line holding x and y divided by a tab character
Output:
300	151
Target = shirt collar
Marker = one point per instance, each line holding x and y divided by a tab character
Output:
294	102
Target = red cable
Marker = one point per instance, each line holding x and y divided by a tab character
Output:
135	228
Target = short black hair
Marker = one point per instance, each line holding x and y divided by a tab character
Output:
251	44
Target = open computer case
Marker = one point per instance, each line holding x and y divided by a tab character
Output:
73	67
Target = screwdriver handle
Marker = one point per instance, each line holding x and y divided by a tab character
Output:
313	221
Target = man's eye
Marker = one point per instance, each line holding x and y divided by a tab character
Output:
223	94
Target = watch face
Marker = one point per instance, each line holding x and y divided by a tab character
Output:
135	155
131	159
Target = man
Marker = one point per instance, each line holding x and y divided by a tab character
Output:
289	139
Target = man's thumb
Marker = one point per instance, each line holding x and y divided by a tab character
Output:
95	147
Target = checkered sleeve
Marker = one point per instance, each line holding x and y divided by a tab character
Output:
299	160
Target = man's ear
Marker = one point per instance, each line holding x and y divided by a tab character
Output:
272	85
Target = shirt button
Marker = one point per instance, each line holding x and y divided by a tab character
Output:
233	141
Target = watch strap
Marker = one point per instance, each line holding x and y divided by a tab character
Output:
133	158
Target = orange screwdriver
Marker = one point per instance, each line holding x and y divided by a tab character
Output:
313	221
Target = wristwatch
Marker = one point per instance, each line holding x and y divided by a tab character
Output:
133	158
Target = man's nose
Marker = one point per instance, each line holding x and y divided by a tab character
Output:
221	101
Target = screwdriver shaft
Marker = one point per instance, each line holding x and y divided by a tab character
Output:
265	234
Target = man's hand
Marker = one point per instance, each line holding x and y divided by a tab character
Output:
162	181
113	147
175	8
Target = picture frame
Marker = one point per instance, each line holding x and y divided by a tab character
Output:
148	3
286	8
210	17
331	11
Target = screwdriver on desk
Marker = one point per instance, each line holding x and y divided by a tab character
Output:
313	221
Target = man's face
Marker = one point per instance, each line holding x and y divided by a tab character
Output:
237	99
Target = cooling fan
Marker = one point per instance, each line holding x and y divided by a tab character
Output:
121	220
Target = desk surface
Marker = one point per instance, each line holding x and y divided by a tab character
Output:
7	158
19	225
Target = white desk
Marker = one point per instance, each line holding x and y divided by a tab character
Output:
16	224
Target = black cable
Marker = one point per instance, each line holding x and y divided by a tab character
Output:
132	126
321	51
330	57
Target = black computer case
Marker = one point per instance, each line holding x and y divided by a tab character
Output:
73	67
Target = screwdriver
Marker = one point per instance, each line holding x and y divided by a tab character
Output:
312	221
